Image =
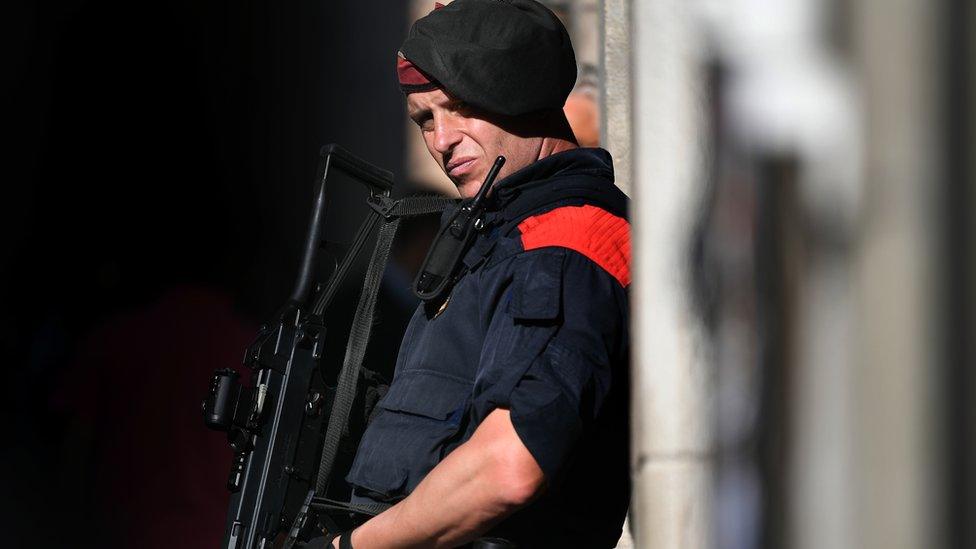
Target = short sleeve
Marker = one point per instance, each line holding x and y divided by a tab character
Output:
550	351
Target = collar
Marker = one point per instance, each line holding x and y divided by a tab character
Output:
575	176
574	162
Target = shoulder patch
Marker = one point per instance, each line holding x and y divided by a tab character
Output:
594	232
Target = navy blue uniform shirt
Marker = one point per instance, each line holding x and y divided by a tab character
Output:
537	324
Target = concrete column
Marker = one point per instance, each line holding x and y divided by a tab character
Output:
897	490
671	378
616	114
616	79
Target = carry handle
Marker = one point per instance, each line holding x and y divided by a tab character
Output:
357	167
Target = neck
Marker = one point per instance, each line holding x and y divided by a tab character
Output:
554	145
559	136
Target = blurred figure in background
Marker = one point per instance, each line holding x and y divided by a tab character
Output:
583	107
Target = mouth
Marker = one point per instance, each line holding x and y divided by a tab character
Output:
460	166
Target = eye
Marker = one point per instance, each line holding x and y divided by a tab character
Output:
423	120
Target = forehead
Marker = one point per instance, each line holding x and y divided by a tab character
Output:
426	100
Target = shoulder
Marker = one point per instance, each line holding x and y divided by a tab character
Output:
599	235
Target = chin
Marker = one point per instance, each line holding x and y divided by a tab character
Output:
467	188
466	192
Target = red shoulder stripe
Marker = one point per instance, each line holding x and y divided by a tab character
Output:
589	230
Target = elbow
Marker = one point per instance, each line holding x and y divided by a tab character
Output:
520	493
517	479
511	478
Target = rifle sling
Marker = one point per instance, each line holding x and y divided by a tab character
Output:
362	324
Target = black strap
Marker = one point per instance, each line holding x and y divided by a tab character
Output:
326	504
362	324
421	205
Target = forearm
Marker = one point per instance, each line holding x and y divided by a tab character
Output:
451	506
472	489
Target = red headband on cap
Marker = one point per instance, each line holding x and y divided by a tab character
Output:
411	78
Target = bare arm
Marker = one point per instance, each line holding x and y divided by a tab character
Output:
477	485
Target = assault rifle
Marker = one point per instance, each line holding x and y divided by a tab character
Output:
293	425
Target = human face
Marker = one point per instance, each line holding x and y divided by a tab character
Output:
465	141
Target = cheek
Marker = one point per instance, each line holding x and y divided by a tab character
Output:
511	150
484	135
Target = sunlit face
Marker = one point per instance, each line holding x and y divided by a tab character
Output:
465	141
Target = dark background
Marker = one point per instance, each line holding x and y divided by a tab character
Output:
156	185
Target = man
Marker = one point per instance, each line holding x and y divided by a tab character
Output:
583	109
507	415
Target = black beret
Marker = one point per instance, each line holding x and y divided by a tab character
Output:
508	57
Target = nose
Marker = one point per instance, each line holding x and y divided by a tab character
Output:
447	134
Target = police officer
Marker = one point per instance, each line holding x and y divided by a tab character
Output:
508	412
